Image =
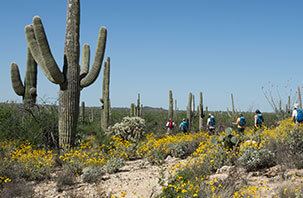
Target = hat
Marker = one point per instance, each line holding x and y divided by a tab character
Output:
296	106
183	119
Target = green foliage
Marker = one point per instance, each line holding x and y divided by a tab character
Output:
38	125
113	165
92	174
131	129
183	149
254	159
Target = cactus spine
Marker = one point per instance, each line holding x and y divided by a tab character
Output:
29	90
171	105
300	99
201	115
105	111
189	112
70	80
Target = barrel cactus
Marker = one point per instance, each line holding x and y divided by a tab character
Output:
70	80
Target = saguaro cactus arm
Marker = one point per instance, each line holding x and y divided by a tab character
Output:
40	50
99	55
16	80
85	60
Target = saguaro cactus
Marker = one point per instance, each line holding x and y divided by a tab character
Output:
29	90
189	112
233	104
138	108
105	112
132	109
70	80
201	113
171	105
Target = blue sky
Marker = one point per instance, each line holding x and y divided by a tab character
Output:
218	47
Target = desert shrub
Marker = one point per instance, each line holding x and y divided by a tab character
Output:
92	174
65	178
294	139
17	188
291	190
113	165
254	159
131	129
183	149
186	182
38	124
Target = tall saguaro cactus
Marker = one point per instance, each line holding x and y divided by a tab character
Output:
71	80
29	90
171	105
189	112
105	111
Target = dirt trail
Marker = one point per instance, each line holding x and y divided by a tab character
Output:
137	178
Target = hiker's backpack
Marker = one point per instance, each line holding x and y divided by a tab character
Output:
260	119
212	121
170	125
184	126
242	122
299	117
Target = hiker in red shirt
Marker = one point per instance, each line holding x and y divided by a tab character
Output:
170	126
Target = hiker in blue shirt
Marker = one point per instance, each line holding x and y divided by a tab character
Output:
211	122
259	120
184	126
241	122
297	114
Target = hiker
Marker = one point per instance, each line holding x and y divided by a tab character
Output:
241	122
184	126
170	126
211	122
259	120
297	114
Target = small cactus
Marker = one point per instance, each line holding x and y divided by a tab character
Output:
138	108
29	90
299	96
171	105
189	111
132	109
200	112
105	111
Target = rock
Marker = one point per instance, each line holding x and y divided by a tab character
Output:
225	169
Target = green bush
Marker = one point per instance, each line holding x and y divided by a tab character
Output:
113	165
254	159
131	129
183	149
38	124
92	174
